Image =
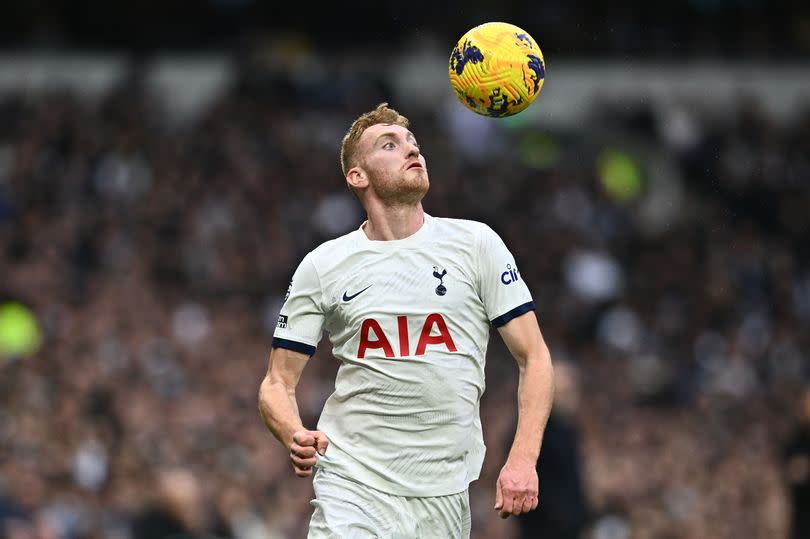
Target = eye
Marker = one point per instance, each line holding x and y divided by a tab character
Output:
388	146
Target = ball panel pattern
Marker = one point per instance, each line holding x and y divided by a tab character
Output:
496	69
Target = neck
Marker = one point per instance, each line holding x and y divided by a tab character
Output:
387	223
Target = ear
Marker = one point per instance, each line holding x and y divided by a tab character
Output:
357	178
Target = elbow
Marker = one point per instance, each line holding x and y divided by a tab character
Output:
269	391
266	397
262	398
536	358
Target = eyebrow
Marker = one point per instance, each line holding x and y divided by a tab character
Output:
393	135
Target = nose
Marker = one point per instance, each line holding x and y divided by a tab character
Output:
413	149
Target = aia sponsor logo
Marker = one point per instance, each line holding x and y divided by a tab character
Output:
372	337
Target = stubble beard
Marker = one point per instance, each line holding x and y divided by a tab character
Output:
407	190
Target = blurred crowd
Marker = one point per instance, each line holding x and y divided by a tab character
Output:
666	247
731	29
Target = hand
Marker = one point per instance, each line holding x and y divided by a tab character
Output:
302	451
516	490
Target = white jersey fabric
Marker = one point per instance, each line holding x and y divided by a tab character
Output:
409	320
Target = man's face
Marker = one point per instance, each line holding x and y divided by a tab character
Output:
390	156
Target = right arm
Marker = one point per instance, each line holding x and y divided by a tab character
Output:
279	409
277	402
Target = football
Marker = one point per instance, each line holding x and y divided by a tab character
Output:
497	69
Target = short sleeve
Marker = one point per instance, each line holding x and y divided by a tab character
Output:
503	291
301	320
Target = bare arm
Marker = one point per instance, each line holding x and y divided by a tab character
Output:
517	488
277	402
536	383
279	409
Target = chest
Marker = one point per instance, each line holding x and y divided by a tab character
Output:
402	284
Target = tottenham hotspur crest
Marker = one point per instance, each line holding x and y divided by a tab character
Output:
439	273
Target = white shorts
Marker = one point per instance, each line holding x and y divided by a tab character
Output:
345	509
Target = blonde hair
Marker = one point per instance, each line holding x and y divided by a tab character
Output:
383	114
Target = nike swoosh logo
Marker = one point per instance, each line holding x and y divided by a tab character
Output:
349	298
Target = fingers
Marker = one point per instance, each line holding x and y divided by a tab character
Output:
304	437
303	457
303	450
516	488
514	503
321	443
508	507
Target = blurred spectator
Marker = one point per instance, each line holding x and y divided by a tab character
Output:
178	511
797	470
563	510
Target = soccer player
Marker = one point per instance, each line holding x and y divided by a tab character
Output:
407	301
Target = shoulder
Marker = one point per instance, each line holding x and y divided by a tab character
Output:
327	253
475	236
463	227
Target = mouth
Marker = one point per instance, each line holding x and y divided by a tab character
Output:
414	165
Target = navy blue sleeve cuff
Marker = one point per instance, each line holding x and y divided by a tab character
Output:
295	346
514	313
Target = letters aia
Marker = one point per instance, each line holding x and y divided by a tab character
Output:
379	340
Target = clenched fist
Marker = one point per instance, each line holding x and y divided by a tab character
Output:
302	451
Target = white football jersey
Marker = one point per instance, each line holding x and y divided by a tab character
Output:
409	320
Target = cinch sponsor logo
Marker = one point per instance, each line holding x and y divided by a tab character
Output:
380	340
511	275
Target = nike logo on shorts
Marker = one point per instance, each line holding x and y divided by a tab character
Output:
346	297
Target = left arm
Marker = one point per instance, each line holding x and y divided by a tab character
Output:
517	487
